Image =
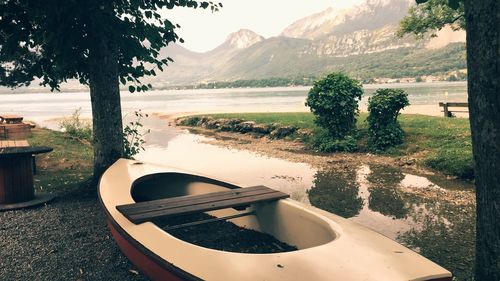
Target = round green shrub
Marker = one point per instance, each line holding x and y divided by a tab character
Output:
334	102
383	127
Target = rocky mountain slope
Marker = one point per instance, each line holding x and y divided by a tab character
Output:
360	40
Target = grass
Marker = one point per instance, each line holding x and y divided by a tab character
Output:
442	144
67	167
297	119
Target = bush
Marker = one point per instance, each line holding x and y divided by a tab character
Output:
383	127
190	121
133	136
77	128
334	102
322	141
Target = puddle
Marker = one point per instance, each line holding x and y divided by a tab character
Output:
382	198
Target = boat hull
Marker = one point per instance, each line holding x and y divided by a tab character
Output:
154	269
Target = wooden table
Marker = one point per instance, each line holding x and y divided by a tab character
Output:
11	119
16	175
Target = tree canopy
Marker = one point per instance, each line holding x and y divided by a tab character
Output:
431	16
53	40
99	42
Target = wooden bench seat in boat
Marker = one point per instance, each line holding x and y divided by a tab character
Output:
162	208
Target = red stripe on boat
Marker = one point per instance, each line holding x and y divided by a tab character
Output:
145	264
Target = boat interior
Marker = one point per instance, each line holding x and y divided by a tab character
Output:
283	219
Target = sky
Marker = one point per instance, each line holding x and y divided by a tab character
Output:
203	30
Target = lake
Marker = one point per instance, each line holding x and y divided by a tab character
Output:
424	98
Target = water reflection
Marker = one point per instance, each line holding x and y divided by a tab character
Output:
385	197
397	205
336	192
446	235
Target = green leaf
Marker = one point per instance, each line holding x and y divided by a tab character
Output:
454	4
131	89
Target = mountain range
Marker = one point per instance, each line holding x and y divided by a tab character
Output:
360	40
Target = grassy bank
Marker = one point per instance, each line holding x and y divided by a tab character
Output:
442	144
67	167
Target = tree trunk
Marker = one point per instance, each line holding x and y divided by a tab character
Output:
483	63
106	107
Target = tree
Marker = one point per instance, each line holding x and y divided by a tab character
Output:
99	42
483	66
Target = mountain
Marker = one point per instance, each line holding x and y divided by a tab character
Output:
191	67
363	29
360	40
370	16
241	39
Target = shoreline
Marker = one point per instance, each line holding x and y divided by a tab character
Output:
456	190
42	90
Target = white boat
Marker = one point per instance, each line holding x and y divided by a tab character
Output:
329	247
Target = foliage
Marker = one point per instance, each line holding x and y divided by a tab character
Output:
77	128
334	102
190	122
133	137
57	40
384	107
431	16
293	119
255	83
100	43
322	141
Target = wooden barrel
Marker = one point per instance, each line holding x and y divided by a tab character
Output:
16	179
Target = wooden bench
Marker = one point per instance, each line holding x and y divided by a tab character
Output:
446	107
192	204
11	119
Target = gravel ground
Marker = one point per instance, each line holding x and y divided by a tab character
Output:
67	239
